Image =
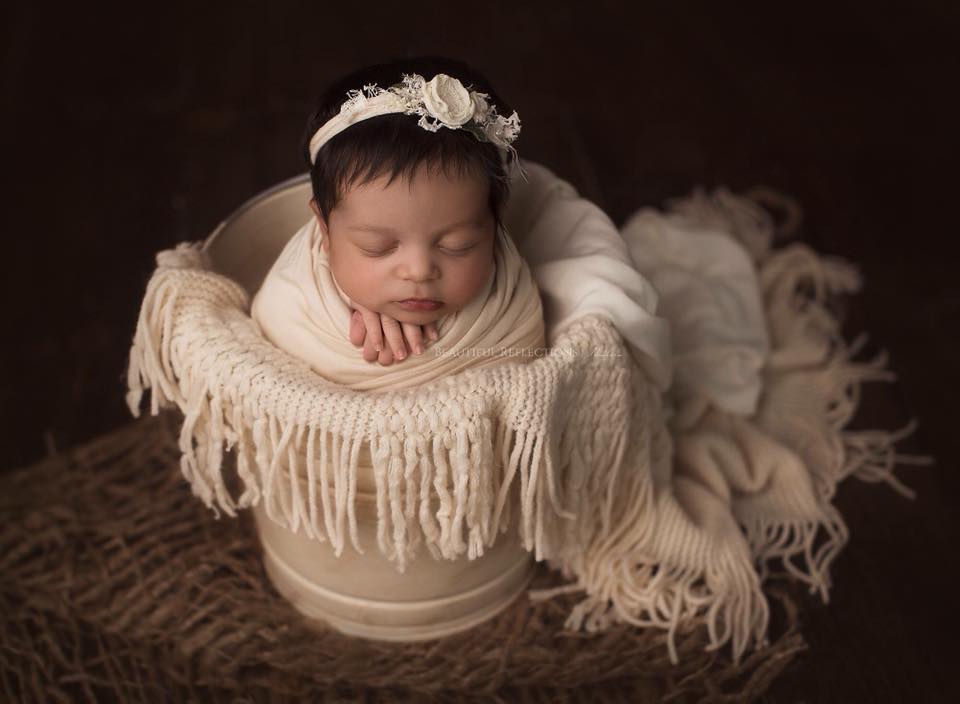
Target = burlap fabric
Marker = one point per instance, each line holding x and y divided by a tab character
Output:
118	585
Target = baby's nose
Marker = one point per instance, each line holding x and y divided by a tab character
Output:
419	267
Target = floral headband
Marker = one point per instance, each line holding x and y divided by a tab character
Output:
441	102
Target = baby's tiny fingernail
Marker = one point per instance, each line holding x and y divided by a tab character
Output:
417	349
400	354
378	347
432	334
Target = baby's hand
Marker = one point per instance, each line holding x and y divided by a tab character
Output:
369	329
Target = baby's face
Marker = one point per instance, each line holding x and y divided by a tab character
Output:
429	237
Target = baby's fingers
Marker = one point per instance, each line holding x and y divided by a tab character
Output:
385	357
391	329
369	353
431	330
414	337
358	333
374	333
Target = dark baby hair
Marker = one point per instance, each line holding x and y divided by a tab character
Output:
394	143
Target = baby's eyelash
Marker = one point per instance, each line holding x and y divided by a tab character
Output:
384	252
371	253
461	250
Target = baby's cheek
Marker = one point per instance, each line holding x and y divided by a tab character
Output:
370	285
359	281
471	281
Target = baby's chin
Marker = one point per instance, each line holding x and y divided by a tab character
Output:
415	317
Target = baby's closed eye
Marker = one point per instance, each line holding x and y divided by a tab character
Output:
455	249
461	249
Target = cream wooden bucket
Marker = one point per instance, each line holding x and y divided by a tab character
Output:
359	594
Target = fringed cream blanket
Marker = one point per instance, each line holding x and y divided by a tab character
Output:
658	523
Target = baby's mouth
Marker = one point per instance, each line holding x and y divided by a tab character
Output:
420	304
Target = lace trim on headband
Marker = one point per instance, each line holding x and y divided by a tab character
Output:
441	102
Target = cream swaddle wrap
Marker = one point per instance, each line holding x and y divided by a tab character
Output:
302	310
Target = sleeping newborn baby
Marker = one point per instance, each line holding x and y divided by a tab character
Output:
406	246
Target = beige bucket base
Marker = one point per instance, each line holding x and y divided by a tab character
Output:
364	595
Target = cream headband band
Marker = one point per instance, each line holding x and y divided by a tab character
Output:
441	102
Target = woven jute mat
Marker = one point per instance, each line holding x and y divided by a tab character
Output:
117	585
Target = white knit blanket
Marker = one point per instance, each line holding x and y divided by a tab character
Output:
666	524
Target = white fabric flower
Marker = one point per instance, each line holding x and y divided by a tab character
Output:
494	132
480	107
447	100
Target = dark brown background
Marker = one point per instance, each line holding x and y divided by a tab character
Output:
130	130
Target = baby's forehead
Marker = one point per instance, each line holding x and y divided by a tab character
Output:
421	178
423	198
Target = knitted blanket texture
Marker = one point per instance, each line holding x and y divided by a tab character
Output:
657	521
